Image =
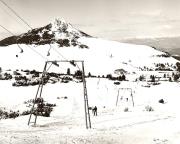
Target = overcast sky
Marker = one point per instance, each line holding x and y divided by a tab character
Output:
110	19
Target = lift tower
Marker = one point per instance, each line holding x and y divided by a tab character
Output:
40	88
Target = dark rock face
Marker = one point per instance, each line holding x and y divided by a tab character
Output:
8	41
58	32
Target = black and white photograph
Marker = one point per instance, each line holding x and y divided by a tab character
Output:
89	72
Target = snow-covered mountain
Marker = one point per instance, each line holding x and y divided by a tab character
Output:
60	40
56	31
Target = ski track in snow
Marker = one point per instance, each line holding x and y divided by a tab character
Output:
55	134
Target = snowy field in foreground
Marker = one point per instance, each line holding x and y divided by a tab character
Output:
112	125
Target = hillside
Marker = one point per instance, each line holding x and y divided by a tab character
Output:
60	40
168	44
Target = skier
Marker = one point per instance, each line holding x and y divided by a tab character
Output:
95	111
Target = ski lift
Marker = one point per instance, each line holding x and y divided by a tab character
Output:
73	63
21	51
55	63
20	48
48	54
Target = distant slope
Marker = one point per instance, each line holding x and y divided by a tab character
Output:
168	44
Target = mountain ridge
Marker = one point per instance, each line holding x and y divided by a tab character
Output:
168	44
56	31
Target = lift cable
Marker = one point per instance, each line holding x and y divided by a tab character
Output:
13	35
16	13
26	23
12	16
27	45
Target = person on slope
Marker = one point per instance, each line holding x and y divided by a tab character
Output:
95	111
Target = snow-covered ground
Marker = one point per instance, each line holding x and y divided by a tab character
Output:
102	56
112	125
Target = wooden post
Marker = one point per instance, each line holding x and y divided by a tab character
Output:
117	98
132	98
129	89
41	83
86	105
40	88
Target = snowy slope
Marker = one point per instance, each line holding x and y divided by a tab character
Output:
100	56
